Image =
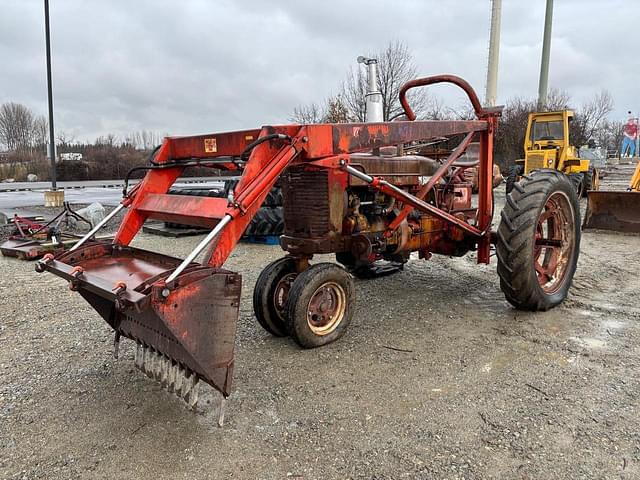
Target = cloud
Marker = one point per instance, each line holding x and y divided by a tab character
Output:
197	66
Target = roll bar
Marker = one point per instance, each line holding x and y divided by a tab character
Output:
480	111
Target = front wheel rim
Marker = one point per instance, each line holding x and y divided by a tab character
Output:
281	293
326	308
554	242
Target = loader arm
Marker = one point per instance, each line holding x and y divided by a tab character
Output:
181	314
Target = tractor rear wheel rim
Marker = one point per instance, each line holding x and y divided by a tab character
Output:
554	242
281	293
326	308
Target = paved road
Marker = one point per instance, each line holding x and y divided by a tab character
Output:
106	192
40	186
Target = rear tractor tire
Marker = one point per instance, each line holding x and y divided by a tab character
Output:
539	241
270	295
320	305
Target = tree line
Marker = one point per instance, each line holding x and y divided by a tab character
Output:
24	138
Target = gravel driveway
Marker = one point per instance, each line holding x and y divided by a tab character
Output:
438	377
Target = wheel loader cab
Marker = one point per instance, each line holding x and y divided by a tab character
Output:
546	141
547	146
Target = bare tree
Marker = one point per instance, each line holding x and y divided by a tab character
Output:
306	114
608	134
336	110
16	126
589	117
39	131
395	67
353	91
557	100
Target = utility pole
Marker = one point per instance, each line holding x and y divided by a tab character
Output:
52	143
543	85
491	94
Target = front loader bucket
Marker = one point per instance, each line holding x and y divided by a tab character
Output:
184	333
619	211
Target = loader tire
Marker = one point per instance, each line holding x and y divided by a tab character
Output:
274	197
539	241
515	172
590	181
320	305
577	179
270	295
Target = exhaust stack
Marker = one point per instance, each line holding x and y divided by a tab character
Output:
373	97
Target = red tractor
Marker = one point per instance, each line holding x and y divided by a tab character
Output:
344	193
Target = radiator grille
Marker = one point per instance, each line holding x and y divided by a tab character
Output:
534	162
306	203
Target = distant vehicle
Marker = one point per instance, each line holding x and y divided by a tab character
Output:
547	146
70	157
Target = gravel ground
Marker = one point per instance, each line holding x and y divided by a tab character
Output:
437	377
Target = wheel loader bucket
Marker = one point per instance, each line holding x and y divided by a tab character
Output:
618	211
184	333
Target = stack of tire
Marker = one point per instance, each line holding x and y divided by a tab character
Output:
269	220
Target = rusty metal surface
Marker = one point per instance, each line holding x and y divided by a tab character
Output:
480	111
306	206
194	326
403	170
618	211
184	209
23	249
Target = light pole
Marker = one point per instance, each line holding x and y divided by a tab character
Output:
543	85
52	143
491	94
52	198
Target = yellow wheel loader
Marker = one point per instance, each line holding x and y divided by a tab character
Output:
547	146
615	210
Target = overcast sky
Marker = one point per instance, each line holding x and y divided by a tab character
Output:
196	66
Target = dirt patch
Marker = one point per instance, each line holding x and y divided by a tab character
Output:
438	377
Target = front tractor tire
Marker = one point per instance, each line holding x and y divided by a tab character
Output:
320	305
539	241
270	295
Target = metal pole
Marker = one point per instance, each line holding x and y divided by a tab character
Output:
543	85
52	142
491	94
